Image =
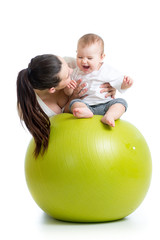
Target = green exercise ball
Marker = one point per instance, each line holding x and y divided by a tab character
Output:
90	171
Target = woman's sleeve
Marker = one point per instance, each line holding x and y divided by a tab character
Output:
71	62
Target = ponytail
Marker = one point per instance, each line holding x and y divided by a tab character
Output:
31	113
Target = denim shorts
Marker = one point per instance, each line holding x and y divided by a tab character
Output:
102	108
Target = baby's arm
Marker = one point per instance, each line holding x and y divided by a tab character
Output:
127	82
68	90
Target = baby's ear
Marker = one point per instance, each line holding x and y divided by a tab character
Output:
102	56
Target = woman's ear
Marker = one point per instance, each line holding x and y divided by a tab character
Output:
52	90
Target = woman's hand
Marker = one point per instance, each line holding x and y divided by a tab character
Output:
106	87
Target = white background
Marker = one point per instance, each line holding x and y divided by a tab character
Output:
130	30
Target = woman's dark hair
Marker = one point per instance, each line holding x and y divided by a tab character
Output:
42	73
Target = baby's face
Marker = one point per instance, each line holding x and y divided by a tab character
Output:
89	58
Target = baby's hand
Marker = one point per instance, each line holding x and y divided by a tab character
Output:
127	82
72	84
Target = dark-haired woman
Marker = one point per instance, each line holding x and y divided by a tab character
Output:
40	95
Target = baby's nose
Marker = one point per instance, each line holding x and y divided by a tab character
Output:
84	60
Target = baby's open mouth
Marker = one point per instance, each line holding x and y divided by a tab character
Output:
86	67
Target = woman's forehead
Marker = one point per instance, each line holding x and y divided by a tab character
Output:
64	68
62	60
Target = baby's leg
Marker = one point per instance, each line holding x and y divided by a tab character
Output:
80	110
113	113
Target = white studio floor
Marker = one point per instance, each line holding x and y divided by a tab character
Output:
130	31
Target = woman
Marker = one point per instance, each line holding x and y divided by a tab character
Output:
40	95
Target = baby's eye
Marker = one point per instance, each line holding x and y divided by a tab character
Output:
90	58
80	57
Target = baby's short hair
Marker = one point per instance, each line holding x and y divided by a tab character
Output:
91	38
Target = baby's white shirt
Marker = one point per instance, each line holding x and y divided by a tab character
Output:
105	74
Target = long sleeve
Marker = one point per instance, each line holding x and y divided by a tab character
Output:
71	62
114	77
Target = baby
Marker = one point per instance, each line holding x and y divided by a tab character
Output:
93	71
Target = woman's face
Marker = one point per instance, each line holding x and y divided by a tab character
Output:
64	75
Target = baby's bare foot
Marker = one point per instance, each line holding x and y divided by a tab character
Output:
82	113
108	120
